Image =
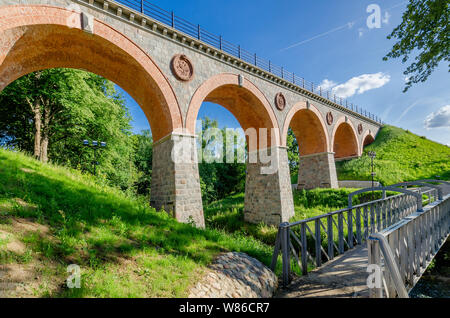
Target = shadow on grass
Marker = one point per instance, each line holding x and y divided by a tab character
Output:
95	225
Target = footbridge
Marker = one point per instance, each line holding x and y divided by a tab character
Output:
395	237
170	67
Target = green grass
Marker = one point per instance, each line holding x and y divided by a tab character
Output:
124	247
401	156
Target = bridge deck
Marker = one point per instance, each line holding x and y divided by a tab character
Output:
345	276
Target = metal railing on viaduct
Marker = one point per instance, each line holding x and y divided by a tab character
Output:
391	221
194	30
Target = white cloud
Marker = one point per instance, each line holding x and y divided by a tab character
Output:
440	118
361	84
327	84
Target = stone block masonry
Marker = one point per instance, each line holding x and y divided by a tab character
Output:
268	197
236	275
317	171
176	183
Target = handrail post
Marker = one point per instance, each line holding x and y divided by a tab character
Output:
390	263
330	236
285	252
375	259
173	19
142	6
350	228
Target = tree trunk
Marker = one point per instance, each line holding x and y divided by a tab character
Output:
45	131
44	149
37	130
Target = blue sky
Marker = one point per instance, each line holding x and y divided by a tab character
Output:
329	43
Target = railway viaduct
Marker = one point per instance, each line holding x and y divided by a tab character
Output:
170	67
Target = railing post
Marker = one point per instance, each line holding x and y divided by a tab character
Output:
173	19
375	259
341	232
318	243
304	249
358	226
285	251
220	42
198	32
256	60
350	228
239	51
330	236
142	6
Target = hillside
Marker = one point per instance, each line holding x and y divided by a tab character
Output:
400	156
51	217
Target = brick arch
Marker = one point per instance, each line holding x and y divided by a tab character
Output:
367	139
246	102
344	140
309	129
37	37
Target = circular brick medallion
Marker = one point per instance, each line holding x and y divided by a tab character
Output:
280	101
360	129
182	67
329	118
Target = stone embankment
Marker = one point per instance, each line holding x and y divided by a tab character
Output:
236	275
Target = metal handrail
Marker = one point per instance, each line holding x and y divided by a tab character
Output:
361	221
389	259
387	188
410	183
194	30
408	247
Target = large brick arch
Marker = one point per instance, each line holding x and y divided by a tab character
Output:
344	140
246	102
37	37
309	129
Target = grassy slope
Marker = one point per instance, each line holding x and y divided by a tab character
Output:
51	217
401	156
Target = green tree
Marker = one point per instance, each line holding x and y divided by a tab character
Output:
143	154
292	152
219	179
425	29
50	112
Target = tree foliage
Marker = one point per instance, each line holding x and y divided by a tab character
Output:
292	152
71	105
424	30
143	155
219	179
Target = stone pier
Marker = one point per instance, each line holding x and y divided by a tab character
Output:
317	171
176	183
268	194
